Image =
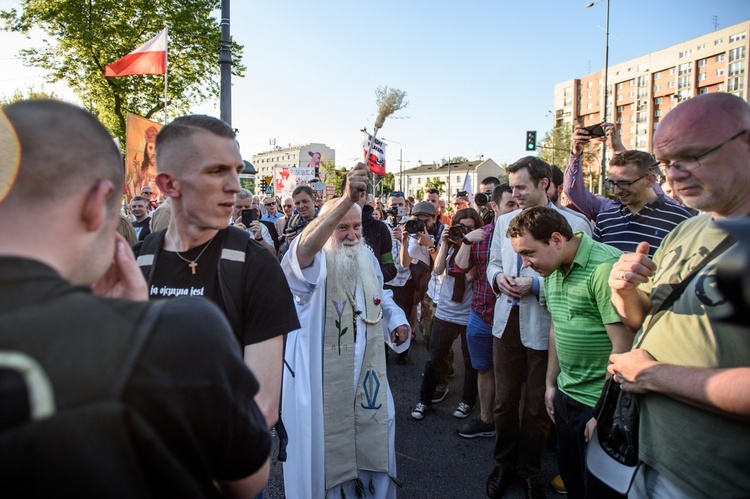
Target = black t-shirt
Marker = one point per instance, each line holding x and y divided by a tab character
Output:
268	303
142	229
189	382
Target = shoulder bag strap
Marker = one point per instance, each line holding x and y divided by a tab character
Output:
680	288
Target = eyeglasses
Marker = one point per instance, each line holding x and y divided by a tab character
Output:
690	164
272	203
394	194
623	185
288	206
147	193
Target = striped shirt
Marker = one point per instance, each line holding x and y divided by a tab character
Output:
580	305
618	226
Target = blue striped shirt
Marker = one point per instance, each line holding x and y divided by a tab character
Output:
623	229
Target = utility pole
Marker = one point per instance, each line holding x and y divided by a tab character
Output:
225	64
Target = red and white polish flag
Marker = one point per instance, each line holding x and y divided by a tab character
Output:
148	59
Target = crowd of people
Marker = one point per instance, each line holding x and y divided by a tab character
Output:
174	334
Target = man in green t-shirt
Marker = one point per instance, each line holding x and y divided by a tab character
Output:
585	331
692	370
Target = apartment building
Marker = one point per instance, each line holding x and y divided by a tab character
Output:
642	90
452	173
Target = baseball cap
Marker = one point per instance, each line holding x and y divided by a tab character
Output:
424	208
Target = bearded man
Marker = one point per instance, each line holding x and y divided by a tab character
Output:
336	399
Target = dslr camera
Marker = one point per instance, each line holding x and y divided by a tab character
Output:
414	226
396	211
483	198
458	231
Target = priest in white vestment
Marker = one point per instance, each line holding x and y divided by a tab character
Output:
336	403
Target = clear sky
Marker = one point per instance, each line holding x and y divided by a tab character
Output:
478	73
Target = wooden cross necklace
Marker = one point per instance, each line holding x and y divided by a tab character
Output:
194	263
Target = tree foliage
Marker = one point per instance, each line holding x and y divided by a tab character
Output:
83	36
555	146
31	93
332	175
435	183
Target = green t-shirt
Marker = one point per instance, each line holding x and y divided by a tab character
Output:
705	454
580	305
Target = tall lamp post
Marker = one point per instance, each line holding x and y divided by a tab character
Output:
400	163
225	63
602	173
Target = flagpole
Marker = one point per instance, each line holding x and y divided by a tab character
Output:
166	71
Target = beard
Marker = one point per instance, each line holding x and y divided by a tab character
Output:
344	259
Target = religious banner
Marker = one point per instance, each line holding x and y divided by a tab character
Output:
287	178
140	158
376	161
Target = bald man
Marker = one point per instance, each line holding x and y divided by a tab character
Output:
692	370
145	400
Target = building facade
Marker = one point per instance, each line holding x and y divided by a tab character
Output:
298	156
452	173
642	90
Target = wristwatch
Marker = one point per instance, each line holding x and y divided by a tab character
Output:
466	242
431	249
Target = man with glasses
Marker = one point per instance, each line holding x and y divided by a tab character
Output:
639	213
271	214
692	370
148	193
287	206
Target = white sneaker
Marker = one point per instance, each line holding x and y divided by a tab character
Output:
463	410
419	411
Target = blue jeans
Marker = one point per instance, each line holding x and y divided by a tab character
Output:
479	340
650	484
570	423
443	335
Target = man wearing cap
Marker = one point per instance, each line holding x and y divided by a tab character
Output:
418	252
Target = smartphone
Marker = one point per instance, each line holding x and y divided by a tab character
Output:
595	130
248	216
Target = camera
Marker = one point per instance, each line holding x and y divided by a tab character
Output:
414	226
483	198
396	211
458	231
595	130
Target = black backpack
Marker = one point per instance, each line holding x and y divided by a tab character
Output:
74	436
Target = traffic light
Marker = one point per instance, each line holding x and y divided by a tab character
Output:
263	185
531	140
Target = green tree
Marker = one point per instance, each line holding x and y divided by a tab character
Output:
435	183
83	36
332	175
31	93
554	148
389	183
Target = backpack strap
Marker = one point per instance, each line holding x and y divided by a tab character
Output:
148	253
231	273
143	328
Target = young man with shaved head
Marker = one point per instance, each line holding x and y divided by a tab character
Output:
146	400
198	168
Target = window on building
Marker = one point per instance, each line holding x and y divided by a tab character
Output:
720	72
619	86
737	37
720	87
631	94
736	53
589	105
657	101
632	83
734	84
720	57
701	46
657	76
718	41
643	67
702	63
703	90
701	76
671	84
672	71
657	113
620	109
737	68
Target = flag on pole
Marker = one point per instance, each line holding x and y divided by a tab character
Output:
467	187
376	161
148	59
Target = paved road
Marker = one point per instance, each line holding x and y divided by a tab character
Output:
433	461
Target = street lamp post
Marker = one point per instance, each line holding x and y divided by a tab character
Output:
400	163
225	64
602	172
